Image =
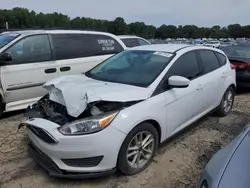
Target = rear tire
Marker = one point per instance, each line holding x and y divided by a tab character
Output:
138	149
227	102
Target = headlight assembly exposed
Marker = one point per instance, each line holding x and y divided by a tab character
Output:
88	125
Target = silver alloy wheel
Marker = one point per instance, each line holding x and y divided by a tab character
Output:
228	101
140	149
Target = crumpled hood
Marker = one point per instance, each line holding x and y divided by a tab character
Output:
76	91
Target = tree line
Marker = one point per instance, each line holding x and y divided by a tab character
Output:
22	18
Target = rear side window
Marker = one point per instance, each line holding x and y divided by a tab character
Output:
142	42
222	58
209	61
68	46
187	66
131	42
103	44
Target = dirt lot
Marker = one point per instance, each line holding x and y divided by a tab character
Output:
178	163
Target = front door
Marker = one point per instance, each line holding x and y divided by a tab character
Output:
30	68
184	104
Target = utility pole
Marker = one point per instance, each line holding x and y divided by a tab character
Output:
7	25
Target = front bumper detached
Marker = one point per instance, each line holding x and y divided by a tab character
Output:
47	163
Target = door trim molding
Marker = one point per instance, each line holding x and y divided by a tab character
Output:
25	86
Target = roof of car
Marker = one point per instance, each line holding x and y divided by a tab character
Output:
162	47
171	48
127	36
30	32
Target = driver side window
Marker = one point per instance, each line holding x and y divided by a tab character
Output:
31	49
186	66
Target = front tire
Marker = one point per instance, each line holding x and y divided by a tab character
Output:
138	149
226	103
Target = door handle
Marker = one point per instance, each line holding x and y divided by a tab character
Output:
223	75
63	69
49	71
199	87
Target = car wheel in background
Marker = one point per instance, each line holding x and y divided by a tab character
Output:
1	107
226	103
138	149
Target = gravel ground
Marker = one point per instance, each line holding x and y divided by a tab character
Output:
178	163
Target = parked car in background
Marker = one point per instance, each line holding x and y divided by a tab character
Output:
132	41
227	43
214	44
115	115
198	42
239	56
229	167
30	58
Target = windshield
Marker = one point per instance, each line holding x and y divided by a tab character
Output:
7	38
237	51
133	67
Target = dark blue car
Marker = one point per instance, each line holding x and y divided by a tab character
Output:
229	167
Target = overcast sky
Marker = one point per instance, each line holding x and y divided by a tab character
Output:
155	12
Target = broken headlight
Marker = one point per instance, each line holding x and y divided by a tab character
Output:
88	125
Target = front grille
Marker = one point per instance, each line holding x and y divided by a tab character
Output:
83	162
42	134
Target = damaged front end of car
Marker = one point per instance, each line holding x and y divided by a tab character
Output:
96	115
79	105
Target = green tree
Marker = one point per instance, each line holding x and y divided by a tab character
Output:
119	26
19	18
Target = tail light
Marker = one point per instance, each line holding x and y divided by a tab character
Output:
241	66
232	66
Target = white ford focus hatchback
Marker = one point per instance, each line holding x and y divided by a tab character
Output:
116	115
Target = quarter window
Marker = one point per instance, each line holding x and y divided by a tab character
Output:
209	61
187	66
131	42
222	58
31	49
69	46
142	42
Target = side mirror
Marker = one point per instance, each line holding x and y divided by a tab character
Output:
178	82
5	57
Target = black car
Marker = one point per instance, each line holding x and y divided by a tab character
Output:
239	56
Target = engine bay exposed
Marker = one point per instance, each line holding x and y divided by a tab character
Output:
57	113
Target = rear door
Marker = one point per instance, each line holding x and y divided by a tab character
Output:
77	53
213	78
32	65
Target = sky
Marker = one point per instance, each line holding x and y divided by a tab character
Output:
205	13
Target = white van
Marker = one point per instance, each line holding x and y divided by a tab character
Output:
30	58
